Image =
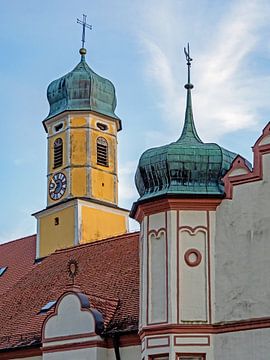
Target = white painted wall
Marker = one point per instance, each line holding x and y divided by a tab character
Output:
242	248
80	354
172	229
191	303
244	345
192	218
157	221
184	343
143	272
130	352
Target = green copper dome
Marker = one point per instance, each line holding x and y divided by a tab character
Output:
185	167
82	89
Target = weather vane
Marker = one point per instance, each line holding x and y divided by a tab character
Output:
189	59
84	25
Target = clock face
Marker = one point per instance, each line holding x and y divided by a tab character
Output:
57	186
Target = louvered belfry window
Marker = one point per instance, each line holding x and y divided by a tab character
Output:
102	152
58	153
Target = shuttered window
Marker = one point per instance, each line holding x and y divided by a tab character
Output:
102	152
58	153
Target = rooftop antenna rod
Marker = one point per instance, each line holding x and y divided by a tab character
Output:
84	25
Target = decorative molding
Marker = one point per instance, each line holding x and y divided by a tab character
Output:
143	345
157	234
193	231
162	205
208	253
157	356
202	356
74	346
196	261
187	340
178	278
244	325
157	338
69	337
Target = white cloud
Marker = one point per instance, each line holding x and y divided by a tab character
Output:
127	190
224	93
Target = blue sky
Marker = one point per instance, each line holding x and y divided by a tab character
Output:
138	45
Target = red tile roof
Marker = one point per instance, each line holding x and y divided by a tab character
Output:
108	272
19	256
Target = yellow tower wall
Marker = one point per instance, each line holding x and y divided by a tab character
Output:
78	182
103	186
100	224
88	209
104	181
51	139
78	147
52	236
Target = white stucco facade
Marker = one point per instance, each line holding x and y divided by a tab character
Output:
242	251
213	266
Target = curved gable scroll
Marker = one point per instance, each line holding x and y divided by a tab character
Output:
73	318
240	171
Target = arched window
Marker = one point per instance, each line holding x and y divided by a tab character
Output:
102	152
58	153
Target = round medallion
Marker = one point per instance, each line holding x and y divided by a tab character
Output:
57	186
193	257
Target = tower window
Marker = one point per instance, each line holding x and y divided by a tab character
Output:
58	153
102	126
102	152
58	127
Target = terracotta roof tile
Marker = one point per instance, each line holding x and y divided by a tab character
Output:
108	272
18	256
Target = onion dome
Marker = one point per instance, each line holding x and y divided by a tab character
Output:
82	89
186	167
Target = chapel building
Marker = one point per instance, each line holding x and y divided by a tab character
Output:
192	284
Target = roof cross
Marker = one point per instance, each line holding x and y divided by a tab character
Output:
84	25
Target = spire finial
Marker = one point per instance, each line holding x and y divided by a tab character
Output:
189	59
84	25
189	133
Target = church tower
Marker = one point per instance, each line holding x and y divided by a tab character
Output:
82	174
180	187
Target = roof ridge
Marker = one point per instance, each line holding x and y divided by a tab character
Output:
12	241
93	243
